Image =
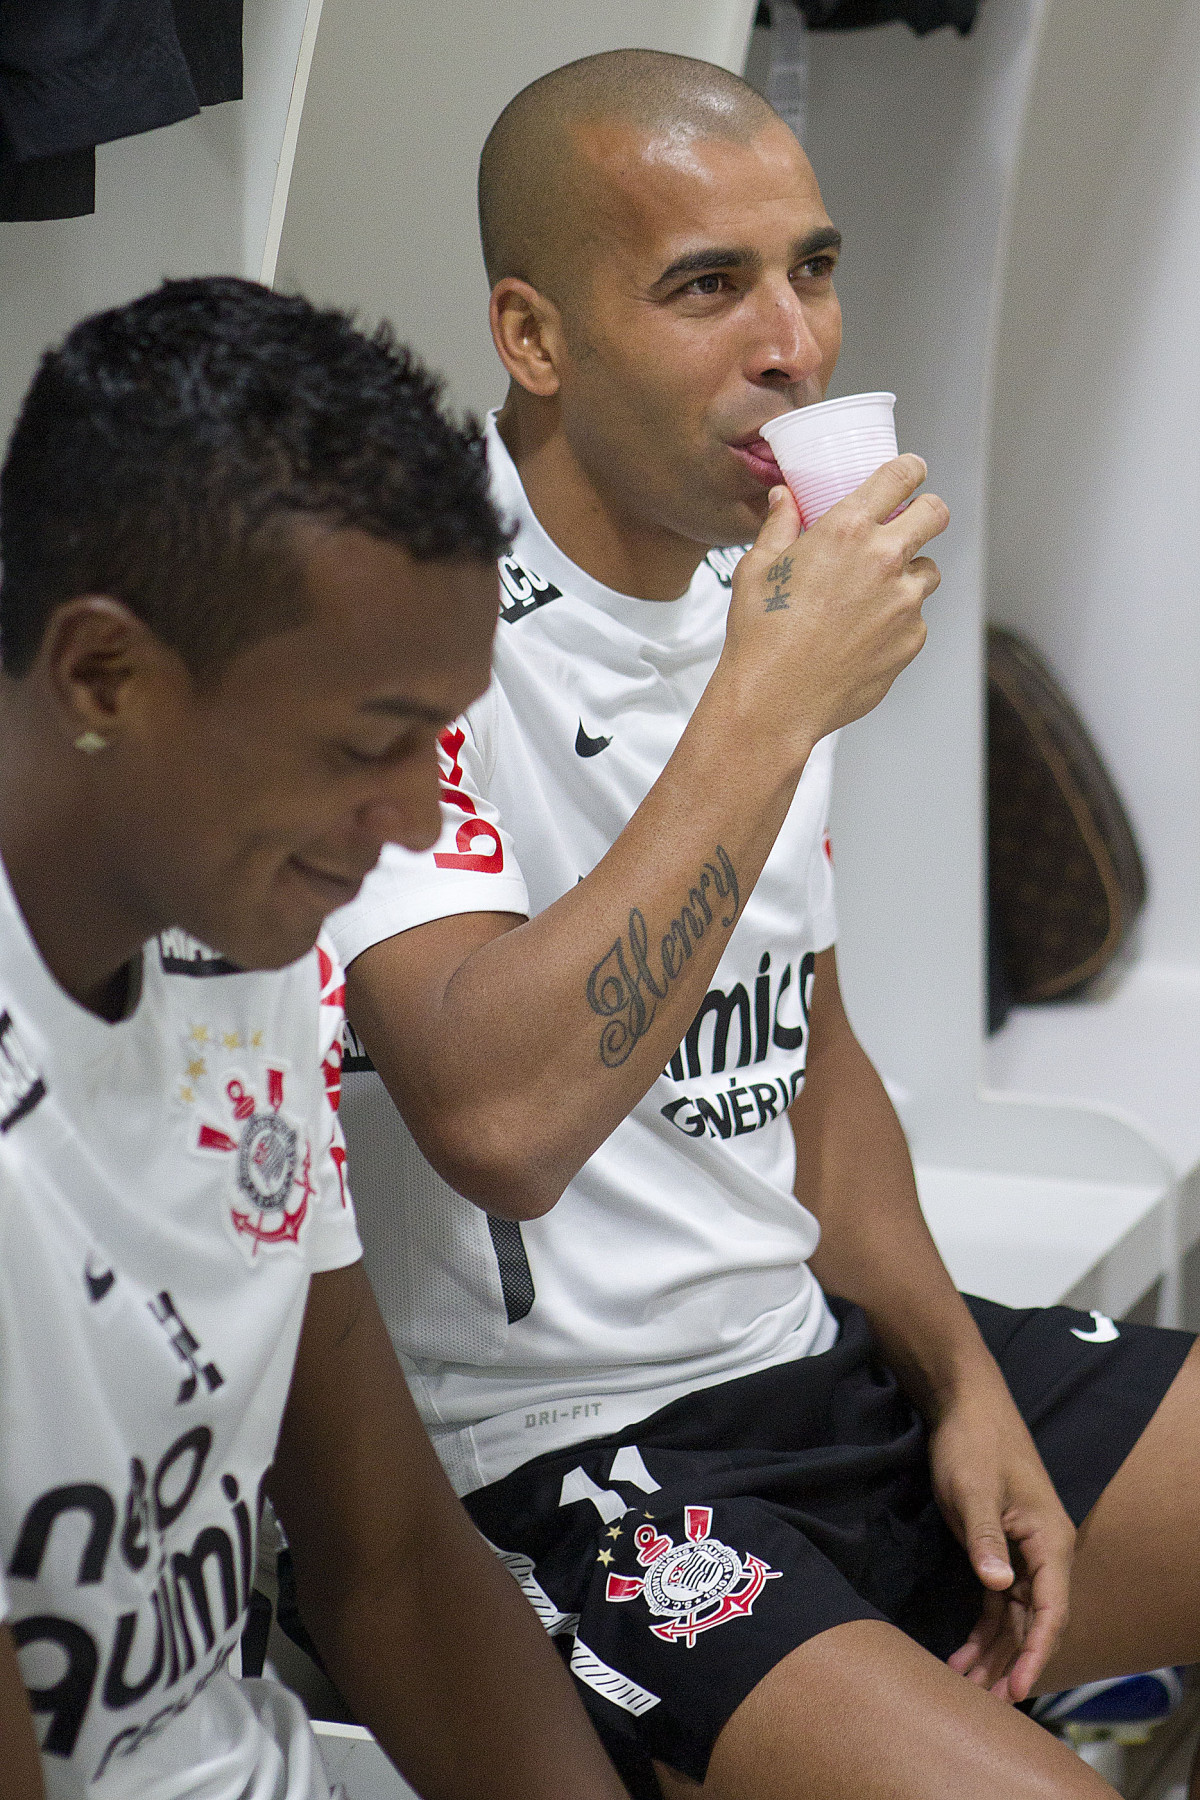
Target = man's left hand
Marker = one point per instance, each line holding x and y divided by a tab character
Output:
1001	1505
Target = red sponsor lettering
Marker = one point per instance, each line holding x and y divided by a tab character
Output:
337	1157
473	831
470	832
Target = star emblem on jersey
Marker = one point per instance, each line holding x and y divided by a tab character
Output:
694	1586
589	746
273	1178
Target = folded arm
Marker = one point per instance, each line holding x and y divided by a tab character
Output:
514	1049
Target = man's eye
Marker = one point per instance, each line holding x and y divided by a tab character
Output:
371	759
818	268
705	285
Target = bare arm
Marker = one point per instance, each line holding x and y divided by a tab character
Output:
420	1625
20	1764
514	1049
853	1171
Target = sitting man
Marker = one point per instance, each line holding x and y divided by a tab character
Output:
248	576
763	1520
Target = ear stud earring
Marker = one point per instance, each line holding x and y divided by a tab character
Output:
90	741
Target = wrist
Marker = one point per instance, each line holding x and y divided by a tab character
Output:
777	744
967	1379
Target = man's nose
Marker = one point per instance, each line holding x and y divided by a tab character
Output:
405	808
787	351
411	819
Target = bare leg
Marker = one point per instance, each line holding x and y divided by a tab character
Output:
861	1712
1135	1589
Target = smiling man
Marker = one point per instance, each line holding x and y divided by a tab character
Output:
762	1519
248	576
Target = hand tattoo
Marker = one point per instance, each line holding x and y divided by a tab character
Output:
780	573
625	990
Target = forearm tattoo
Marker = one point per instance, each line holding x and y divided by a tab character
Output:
628	982
780	573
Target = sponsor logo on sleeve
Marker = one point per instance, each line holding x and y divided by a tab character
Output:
477	842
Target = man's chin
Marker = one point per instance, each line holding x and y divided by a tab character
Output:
267	944
738	524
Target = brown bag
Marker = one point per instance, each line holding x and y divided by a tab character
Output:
1065	879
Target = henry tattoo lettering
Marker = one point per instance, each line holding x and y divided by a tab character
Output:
627	983
780	573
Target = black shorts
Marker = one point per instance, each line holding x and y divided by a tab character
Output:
678	1561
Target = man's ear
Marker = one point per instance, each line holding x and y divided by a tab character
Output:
97	656
528	334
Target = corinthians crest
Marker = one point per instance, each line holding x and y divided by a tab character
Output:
693	1586
273	1177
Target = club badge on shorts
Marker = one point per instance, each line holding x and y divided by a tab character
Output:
693	1586
272	1167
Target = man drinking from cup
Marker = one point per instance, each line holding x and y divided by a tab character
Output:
789	1542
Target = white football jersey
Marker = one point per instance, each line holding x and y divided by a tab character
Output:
168	1185
677	1256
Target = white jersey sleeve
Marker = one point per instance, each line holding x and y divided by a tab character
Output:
471	868
334	1241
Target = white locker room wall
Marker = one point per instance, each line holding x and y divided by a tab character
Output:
381	213
1095	497
1020	267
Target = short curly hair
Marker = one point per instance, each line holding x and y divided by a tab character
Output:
166	448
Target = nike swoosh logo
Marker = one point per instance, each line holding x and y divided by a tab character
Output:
1103	1331
98	1285
589	746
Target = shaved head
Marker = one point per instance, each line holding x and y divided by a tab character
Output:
539	167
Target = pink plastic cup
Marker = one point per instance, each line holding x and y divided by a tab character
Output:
828	450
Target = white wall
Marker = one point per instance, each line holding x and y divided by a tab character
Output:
381	214
1096	473
914	142
191	199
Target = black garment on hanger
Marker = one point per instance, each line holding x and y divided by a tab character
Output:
48	187
76	73
210	36
922	15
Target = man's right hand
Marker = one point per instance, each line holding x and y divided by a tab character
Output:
822	622
513	1048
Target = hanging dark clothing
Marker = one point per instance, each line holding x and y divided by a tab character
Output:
48	187
922	15
210	36
76	73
